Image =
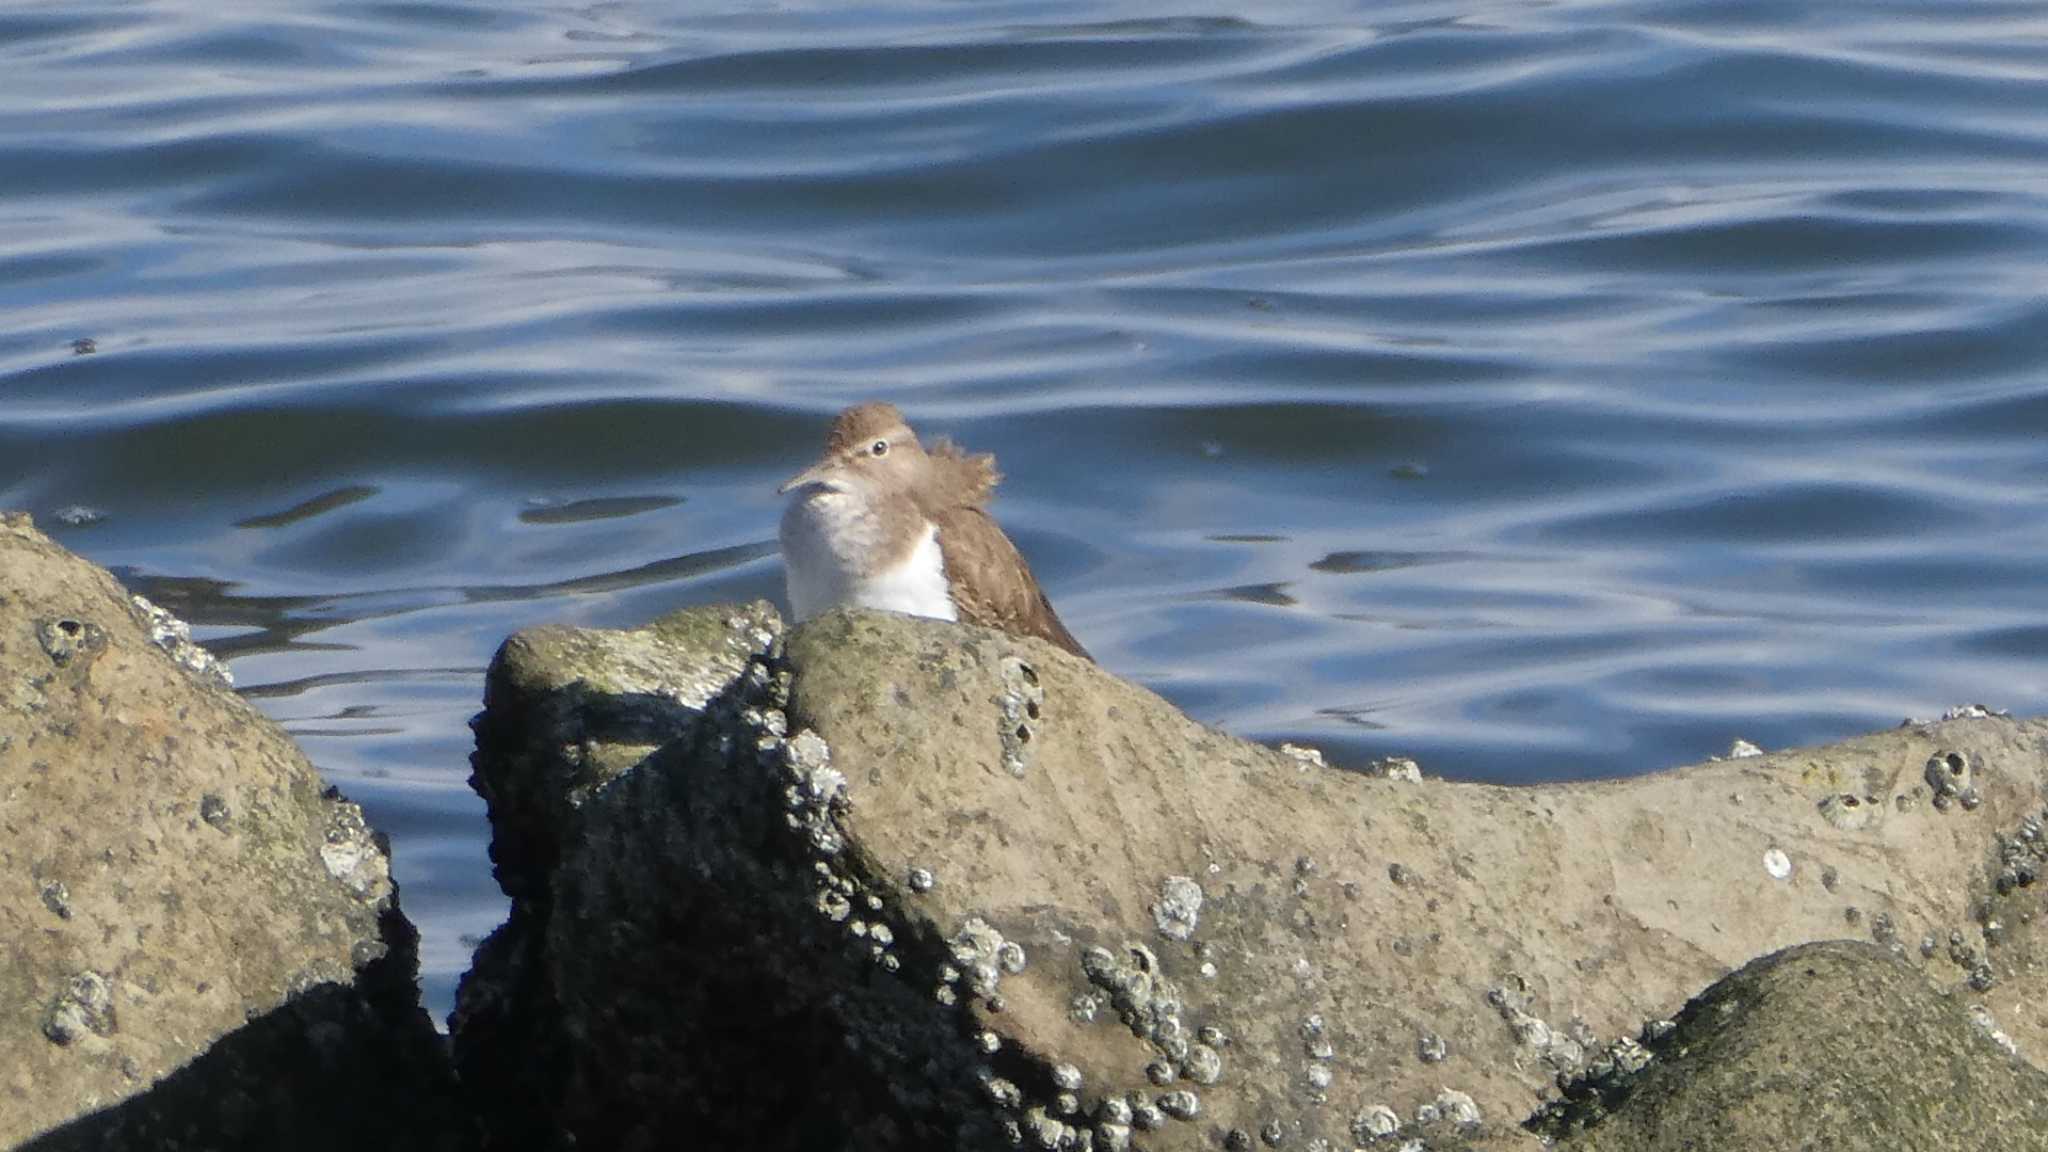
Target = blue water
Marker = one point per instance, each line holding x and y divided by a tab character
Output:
1543	390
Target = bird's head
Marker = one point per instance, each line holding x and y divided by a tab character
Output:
869	448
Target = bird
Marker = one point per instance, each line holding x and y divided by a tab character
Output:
880	521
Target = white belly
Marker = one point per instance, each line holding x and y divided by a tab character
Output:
825	539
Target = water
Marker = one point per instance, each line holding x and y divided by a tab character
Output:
1543	390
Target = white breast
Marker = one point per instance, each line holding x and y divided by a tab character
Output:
916	587
826	539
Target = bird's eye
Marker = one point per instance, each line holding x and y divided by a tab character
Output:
879	448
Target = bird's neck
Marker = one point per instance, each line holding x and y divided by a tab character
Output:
871	532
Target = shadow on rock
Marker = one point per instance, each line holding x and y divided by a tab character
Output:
334	1067
677	969
200	945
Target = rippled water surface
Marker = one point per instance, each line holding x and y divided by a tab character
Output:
1544	390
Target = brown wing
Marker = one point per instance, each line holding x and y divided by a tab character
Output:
991	584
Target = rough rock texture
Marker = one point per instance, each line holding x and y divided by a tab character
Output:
625	999
658	978
906	884
198	947
1838	1045
657	983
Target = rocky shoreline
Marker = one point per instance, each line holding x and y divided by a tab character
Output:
889	883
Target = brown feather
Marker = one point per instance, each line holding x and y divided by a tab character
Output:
956	479
991	584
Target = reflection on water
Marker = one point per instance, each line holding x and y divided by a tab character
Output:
266	624
599	508
307	509
1543	391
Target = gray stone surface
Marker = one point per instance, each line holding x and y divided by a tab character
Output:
1840	1045
905	884
199	947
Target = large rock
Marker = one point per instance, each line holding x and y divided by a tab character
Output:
199	947
900	883
626	1000
666	978
1838	1045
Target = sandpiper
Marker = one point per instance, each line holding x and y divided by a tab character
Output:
881	522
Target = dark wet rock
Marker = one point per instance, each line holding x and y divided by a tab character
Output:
721	846
199	946
1838	1044
566	710
694	958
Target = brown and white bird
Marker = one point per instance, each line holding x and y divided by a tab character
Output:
881	522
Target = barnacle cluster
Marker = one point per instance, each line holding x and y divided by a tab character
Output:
1020	705
1951	778
2022	855
1563	1052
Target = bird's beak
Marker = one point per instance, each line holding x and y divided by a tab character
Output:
819	473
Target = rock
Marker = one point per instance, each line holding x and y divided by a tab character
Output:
199	947
695	957
678	889
603	701
693	952
1837	1044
